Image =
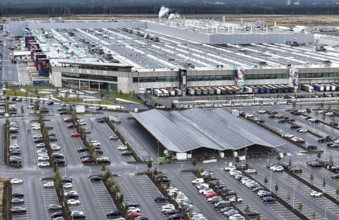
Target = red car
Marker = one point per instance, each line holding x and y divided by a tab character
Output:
75	135
211	195
87	160
134	215
68	120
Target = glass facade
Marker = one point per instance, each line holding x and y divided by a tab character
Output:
88	76
318	75
155	79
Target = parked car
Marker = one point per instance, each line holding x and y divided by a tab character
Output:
316	194
160	199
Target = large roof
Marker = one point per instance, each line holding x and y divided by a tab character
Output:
200	128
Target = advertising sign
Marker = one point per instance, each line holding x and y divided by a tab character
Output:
294	77
43	67
239	77
183	80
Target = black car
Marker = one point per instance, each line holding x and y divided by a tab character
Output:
335	176
312	147
126	153
56	215
171	212
63	113
295	126
160	199
48	127
82	150
113	214
59	162
70	126
95	178
38	140
17	195
54	207
67	179
252	215
50	103
53	139
175	216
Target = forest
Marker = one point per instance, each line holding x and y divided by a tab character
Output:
186	9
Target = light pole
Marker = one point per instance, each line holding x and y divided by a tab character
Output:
325	213
293	198
158	158
270	180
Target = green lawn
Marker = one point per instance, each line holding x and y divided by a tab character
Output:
129	97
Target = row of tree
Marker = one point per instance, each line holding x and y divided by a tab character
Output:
185	9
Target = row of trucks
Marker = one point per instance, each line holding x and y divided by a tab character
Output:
320	87
223	90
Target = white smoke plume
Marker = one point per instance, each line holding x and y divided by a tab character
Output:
173	16
163	11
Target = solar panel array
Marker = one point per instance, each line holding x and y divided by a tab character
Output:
196	128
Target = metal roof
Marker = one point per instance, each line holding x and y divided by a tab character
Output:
200	128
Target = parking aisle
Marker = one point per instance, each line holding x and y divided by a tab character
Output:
123	182
105	201
89	202
49	196
151	191
283	179
323	201
183	181
21	188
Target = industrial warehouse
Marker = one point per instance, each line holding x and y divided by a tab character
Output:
179	56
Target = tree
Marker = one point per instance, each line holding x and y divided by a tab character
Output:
22	109
116	190
194	163
276	187
246	209
149	165
312	178
324	182
289	162
319	155
308	110
300	206
258	217
314	213
265	180
288	196
278	158
36	106
337	192
201	169
237	159
294	104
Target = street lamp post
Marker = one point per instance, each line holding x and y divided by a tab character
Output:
293	197
158	159
270	180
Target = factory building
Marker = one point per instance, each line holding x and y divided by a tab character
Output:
155	55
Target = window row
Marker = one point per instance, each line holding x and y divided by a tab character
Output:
88	76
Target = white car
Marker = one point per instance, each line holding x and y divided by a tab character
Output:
289	135
250	171
41	145
229	168
133	209
167	206
40	151
122	147
277	168
248	115
95	143
302	110
49	184
36	128
16	181
114	137
68	186
235	199
30	106
261	111
73	202
55	147
316	194
43	154
198	180
44	164
43	158
35	125
302	130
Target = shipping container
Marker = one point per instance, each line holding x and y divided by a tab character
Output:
210	90
197	91
223	91
178	92
204	91
248	89
164	92
217	91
